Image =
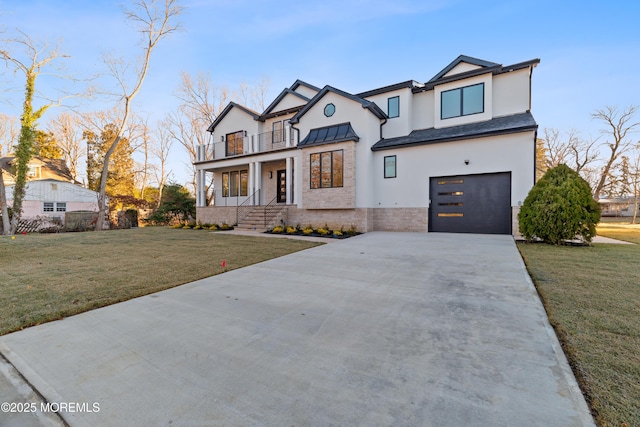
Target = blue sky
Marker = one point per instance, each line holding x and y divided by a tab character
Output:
589	50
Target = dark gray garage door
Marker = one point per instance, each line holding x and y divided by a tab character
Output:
471	203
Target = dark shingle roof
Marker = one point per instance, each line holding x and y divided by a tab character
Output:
329	134
498	126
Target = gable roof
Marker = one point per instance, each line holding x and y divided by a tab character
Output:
226	111
280	97
49	167
494	69
499	126
329	134
390	88
299	83
371	106
462	58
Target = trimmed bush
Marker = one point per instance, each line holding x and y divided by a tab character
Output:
559	207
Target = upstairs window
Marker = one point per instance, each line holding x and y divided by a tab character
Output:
34	171
234	144
463	101
278	132
393	107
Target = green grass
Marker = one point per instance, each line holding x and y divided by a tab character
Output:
592	298
620	230
45	277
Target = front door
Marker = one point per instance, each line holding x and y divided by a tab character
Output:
281	190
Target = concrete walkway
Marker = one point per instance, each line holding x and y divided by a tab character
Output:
384	329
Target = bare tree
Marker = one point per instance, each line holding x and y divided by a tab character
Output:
35	59
161	150
617	127
155	22
572	150
255	96
67	130
201	103
145	146
8	134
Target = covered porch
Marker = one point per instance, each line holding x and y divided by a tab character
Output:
255	190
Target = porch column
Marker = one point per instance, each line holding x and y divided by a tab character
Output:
287	134
297	189
200	186
288	178
251	182
258	181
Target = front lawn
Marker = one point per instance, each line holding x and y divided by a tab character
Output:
592	298
44	277
620	230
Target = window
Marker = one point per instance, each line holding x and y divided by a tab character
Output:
327	169
462	102
235	183
244	183
393	107
34	171
278	132
390	166
225	184
234	143
54	207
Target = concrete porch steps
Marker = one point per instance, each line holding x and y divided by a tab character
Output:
255	220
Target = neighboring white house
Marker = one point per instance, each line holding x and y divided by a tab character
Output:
52	198
455	154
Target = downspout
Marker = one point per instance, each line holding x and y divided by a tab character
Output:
382	124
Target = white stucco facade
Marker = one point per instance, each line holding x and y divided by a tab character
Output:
320	153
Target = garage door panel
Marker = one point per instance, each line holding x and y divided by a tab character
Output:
471	204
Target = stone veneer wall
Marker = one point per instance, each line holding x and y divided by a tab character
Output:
330	198
363	219
216	215
400	219
515	227
334	218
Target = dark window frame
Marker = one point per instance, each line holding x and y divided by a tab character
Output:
397	99
277	135
395	166
234	151
323	168
238	189
461	112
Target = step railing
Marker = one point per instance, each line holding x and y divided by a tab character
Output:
247	206
270	211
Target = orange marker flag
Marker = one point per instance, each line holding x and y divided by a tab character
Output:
224	264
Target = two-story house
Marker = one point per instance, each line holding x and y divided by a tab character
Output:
453	154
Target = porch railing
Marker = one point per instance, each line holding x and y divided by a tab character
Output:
247	206
260	143
270	211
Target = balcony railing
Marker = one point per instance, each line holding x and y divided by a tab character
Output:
260	143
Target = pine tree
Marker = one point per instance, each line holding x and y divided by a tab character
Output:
120	180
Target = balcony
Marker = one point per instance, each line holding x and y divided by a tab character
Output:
259	143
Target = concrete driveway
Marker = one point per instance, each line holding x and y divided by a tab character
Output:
385	329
